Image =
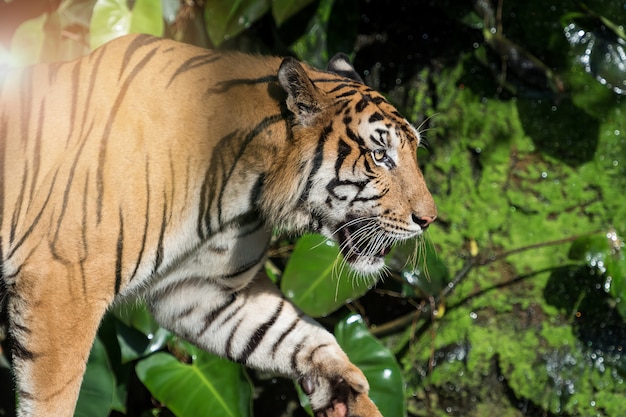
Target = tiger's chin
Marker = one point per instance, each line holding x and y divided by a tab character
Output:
363	252
367	265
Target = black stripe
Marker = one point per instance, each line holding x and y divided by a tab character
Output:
229	342
65	200
186	313
355	137
362	104
112	115
119	253
93	76
344	82
193	62
242	269
259	334
294	355
347	94
17	209
138	42
37	150
254	133
213	315
312	354
376	117
158	259
224	86
85	209
283	335
37	218
146	223
18	349
317	162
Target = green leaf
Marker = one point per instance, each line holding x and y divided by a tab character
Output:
111	19
316	279
284	9
28	42
137	316
225	19
313	45
605	253
377	363
147	17
98	388
208	386
134	344
420	266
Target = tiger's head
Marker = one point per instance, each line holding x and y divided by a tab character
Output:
349	169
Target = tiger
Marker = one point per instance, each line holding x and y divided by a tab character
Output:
156	170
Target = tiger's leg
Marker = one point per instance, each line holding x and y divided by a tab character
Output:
258	327
53	323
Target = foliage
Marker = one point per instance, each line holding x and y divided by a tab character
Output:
516	304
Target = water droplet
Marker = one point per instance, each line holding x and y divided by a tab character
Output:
544	174
473	315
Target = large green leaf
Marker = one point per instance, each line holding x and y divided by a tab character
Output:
29	43
605	253
98	388
207	386
147	17
284	9
113	18
377	363
225	19
134	344
316	280
110	19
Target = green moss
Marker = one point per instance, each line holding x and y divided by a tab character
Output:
506	175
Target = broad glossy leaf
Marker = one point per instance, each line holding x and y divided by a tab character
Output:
98	388
225	19
377	363
605	253
147	17
137	316
601	52
313	45
207	386
136	331
111	19
284	9
28	42
134	344
420	267
317	281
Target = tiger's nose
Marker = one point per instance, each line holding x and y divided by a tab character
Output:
423	221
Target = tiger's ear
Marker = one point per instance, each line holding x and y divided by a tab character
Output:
340	65
303	98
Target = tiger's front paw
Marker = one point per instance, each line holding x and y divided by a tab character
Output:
342	396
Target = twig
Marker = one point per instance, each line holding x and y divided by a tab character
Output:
478	260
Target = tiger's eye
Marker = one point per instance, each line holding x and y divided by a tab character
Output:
379	155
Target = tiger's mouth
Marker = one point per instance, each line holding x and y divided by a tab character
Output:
361	239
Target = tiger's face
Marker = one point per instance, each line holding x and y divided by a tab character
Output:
354	157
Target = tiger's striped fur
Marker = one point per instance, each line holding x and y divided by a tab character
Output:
155	169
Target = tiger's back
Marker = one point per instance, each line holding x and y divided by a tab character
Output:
152	168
